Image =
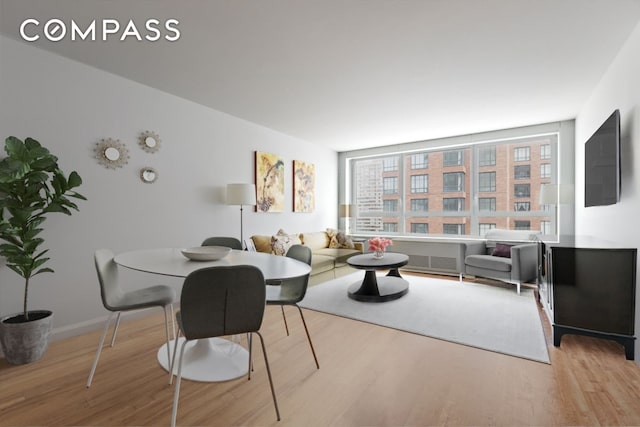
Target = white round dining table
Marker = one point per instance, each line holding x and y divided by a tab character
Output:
213	359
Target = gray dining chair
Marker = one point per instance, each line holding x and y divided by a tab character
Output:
117	300
292	291
220	301
229	242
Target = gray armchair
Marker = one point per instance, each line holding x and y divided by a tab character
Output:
506	255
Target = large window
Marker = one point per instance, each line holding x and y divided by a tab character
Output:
419	183
453	182
453	158
419	205
390	184
487	203
454	204
487	156
471	187
487	181
420	227
390	205
419	161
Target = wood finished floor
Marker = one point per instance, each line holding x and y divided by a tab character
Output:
368	376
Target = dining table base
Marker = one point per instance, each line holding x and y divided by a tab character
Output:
208	360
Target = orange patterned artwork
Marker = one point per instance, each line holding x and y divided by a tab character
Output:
304	186
269	182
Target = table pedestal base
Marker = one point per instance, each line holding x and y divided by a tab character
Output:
378	289
208	360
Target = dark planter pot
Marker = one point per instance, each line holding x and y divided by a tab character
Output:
25	341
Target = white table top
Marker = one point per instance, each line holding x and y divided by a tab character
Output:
171	262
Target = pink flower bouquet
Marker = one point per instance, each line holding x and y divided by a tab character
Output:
379	244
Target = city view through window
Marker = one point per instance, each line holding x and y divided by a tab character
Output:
463	190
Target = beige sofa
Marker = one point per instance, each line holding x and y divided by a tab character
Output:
326	262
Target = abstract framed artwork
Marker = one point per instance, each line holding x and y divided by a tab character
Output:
269	182
304	183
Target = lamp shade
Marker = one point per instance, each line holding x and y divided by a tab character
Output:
241	194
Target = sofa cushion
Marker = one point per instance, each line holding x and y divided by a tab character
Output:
315	240
503	250
262	243
339	239
321	263
489	262
339	254
281	242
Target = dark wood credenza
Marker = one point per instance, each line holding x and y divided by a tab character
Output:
588	287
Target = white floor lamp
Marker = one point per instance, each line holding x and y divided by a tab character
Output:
243	195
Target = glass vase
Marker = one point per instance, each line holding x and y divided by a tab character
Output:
378	254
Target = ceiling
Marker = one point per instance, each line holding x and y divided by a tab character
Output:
349	74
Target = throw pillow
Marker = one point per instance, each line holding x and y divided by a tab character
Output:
281	242
344	241
502	250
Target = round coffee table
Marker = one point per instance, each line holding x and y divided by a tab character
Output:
383	288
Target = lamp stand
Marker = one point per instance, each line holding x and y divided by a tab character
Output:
241	235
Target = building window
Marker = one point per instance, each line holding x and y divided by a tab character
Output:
522	190
390	205
474	194
420	228
545	170
487	204
484	227
545	227
419	205
453	204
453	182
453	229
522	172
419	183
522	225
522	154
487	181
453	158
487	156
419	161
390	164
545	151
390	184
390	227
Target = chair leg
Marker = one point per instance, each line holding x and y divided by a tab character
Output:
176	393
285	319
172	361
249	346
518	287
266	362
115	330
460	277
99	350
166	327
308	336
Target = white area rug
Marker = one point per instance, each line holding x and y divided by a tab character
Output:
483	316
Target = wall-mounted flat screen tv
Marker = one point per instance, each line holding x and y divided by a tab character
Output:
602	164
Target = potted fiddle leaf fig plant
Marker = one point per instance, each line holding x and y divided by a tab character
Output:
31	186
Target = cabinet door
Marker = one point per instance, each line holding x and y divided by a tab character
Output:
594	289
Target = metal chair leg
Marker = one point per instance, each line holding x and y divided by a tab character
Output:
166	327
266	362
176	393
99	350
308	336
115	330
250	347
285	319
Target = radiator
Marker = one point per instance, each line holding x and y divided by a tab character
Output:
438	256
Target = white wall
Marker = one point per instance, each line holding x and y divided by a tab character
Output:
68	107
618	88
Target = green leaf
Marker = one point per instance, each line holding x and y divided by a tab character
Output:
43	270
74	180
